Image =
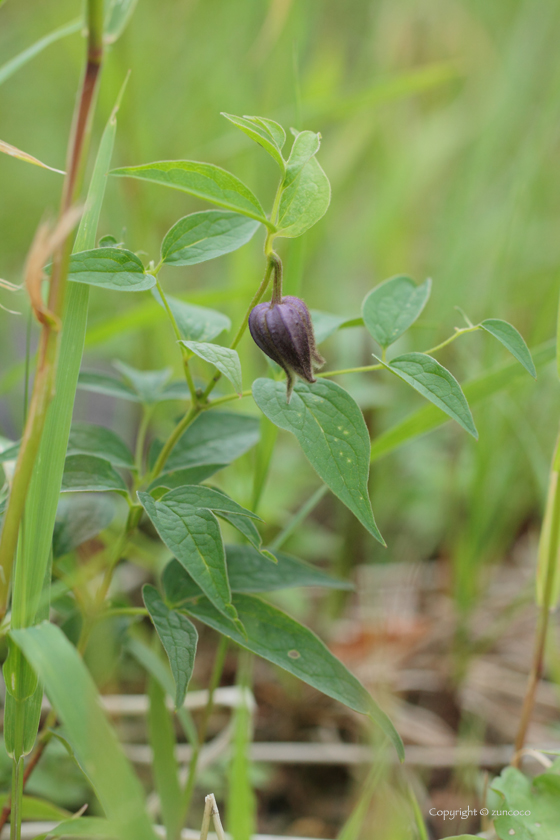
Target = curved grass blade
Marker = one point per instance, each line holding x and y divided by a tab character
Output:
14	64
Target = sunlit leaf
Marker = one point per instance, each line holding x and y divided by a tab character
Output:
393	306
332	433
179	639
205	236
83	473
512	341
436	383
305	201
278	638
224	359
203	180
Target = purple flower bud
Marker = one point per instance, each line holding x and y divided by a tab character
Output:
285	333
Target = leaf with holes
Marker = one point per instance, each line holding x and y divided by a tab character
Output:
393	306
331	431
224	359
512	341
205	236
179	638
278	638
436	383
203	180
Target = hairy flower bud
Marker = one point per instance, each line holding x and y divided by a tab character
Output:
285	333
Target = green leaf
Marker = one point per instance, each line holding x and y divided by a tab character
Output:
249	571
428	418
117	15
224	359
189	475
325	324
185	521
101	383
306	145
81	827
512	341
436	383
164	763
261	133
216	437
331	431
305	201
87	439
80	516
205	236
275	130
110	268
539	797
34	808
393	306
178	637
148	384
84	473
73	695
281	640
14	64
203	180
195	323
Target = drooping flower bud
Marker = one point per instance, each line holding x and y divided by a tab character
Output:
284	331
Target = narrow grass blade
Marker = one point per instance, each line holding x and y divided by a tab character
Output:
165	768
72	693
14	64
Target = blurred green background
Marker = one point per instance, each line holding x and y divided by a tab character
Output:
440	124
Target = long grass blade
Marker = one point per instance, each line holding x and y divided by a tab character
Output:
14	64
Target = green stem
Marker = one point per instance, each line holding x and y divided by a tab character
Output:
217	671
184	351
17	799
456	334
141	438
181	426
365	369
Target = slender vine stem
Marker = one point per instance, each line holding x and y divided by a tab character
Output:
184	351
298	518
181	426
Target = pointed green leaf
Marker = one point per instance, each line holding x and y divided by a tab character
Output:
281	640
203	180
110	268
512	341
185	522
274	129
73	695
148	384
205	236
81	827
304	201
260	133
195	323
165	769
178	478
331	431
306	145
216	437
249	571
87	439
79	517
428	418
224	359
34	808
117	15
85	473
436	383
179	639
391	308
